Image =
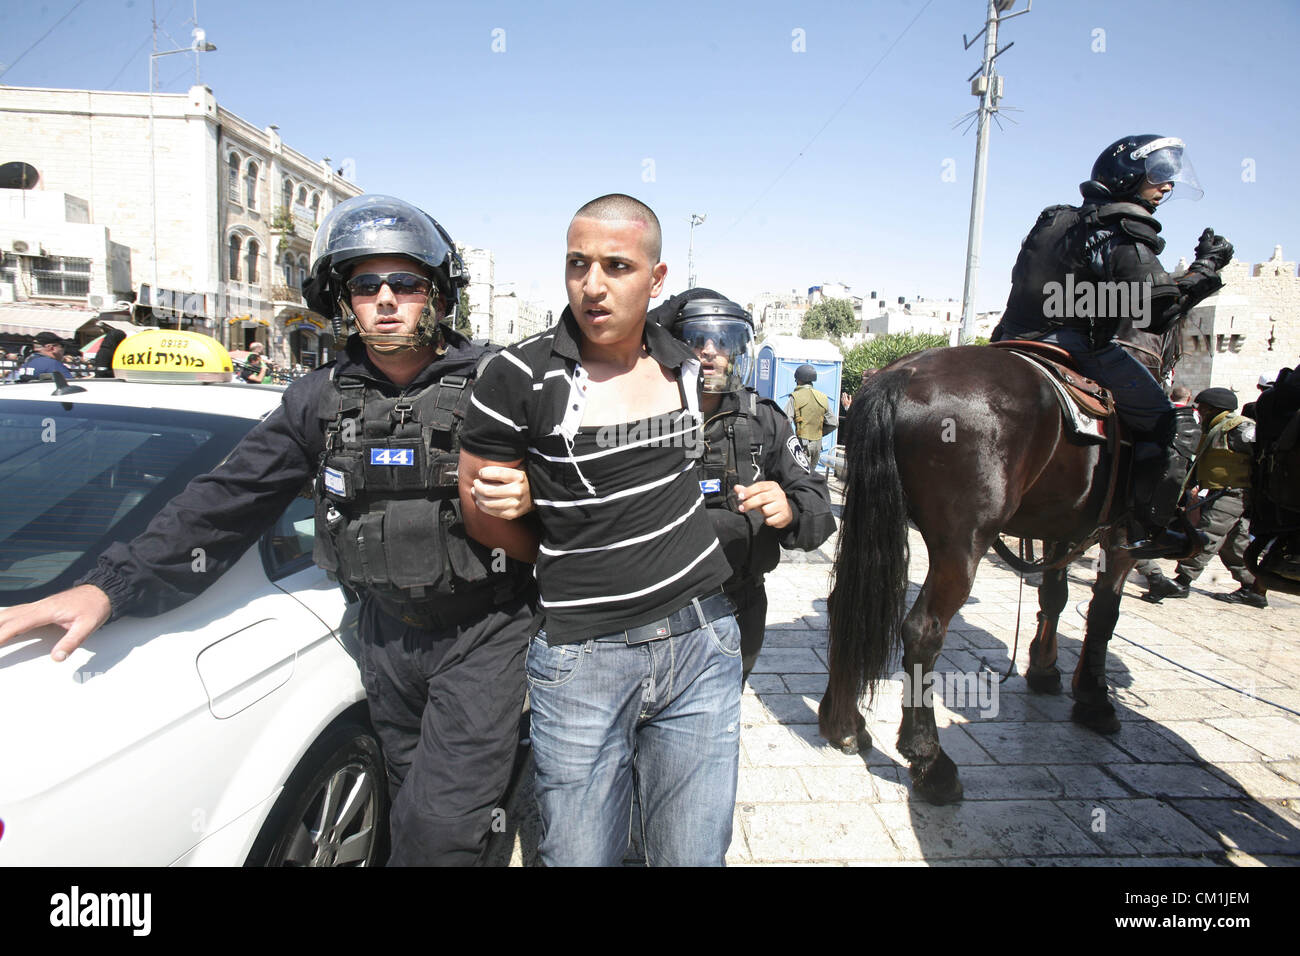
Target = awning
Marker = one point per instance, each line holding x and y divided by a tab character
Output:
19	320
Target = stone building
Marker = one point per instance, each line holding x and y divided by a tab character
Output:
58	270
218	214
515	319
1252	326
481	265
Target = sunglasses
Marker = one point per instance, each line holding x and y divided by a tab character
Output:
402	283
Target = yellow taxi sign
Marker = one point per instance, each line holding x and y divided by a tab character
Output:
166	356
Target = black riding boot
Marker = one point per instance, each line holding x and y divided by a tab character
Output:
1158	486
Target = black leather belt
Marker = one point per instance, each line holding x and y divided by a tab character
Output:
695	615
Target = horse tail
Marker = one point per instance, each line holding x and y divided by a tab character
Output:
870	576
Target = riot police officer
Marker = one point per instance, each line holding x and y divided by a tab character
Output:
1077	258
443	624
757	485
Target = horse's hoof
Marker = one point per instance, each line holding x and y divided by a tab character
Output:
1098	717
853	745
1043	680
937	783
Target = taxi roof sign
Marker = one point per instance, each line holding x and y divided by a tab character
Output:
165	356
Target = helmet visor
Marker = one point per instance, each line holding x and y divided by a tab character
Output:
1169	164
725	348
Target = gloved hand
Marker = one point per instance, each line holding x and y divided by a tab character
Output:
1213	249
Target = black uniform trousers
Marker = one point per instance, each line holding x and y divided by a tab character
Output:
446	706
750	597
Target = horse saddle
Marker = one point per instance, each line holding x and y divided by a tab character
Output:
1088	407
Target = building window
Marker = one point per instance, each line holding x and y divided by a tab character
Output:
57	275
315	207
233	189
232	264
8	268
250	186
286	268
253	251
302	272
302	195
286	193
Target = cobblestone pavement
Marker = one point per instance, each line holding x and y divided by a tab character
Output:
1205	771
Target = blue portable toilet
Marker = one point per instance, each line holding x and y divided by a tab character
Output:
780	355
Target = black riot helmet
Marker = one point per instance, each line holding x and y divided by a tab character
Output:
722	335
373	225
805	375
1122	167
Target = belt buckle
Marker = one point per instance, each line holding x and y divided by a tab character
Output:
650	632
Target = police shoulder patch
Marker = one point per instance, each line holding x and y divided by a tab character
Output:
796	451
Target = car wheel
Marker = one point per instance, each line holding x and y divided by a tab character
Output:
334	808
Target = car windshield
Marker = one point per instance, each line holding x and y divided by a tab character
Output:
76	478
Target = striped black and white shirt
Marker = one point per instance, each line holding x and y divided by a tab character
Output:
626	539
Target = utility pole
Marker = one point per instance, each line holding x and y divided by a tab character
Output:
986	83
696	219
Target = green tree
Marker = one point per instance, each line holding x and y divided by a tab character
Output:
829	318
463	325
883	349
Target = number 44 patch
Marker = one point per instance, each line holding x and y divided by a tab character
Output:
392	456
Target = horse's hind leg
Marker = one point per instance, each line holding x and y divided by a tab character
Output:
1092	706
835	719
1043	675
946	587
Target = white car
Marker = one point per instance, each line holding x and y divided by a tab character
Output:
230	730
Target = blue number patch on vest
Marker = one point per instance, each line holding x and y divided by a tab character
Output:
334	481
392	456
710	486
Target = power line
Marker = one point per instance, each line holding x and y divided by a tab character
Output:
129	61
839	109
42	37
131	58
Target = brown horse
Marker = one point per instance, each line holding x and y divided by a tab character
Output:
968	443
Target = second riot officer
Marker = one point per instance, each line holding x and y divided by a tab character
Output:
757	485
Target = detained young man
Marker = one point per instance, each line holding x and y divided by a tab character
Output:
635	669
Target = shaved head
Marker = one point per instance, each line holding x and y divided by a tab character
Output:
617	207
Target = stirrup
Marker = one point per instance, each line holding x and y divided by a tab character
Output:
1168	543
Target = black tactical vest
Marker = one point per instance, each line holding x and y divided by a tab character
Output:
1053	260
731	456
388	516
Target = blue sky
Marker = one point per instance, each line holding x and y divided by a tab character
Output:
502	146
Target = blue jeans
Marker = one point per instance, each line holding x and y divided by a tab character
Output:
664	717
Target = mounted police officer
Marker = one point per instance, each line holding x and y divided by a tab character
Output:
1077	261
443	624
756	484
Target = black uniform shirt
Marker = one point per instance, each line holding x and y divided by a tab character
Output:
752	547
226	510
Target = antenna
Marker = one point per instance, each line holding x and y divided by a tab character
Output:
986	83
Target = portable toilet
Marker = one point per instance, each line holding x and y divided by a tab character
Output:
780	355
